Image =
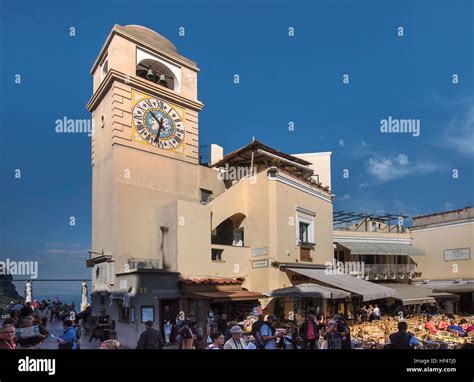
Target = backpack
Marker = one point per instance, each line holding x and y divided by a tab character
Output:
259	341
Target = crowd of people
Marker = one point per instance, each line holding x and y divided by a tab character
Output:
312	332
26	327
463	328
267	333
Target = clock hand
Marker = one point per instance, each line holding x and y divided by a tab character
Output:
160	128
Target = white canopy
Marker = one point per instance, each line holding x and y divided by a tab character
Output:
308	290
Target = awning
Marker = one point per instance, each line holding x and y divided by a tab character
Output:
456	288
380	248
308	291
223	296
369	291
410	294
125	297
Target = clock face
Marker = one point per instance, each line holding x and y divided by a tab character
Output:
158	123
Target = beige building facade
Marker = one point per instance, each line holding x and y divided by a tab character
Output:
447	238
174	238
165	224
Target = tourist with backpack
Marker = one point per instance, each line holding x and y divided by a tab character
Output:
268	334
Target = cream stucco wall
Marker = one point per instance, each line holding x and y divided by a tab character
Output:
287	200
270	210
321	164
434	241
104	217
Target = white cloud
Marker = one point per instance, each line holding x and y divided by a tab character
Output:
386	169
59	251
363	185
459	135
402	159
341	142
448	206
364	144
345	197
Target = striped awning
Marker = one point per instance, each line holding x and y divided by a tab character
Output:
380	248
369	291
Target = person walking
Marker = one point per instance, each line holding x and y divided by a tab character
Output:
68	339
258	324
309	332
26	311
332	336
236	342
186	336
344	331
43	313
364	313
150	338
267	332
376	314
103	325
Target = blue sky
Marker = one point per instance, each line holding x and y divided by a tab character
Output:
282	79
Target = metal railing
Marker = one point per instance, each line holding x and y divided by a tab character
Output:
389	271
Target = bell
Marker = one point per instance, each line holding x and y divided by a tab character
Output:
150	75
162	80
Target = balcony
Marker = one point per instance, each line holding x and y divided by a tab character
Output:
390	271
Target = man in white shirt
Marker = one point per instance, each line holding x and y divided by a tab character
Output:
376	313
236	342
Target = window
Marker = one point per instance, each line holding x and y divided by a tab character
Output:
147	313
206	196
305	226
304	231
216	254
104	68
305	254
238	237
124	312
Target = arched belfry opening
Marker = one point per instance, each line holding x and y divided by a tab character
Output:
157	72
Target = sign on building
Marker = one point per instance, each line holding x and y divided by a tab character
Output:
457	254
262	251
260	264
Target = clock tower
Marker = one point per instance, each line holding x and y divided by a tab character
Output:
144	144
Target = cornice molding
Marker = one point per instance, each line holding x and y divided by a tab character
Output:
142	85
